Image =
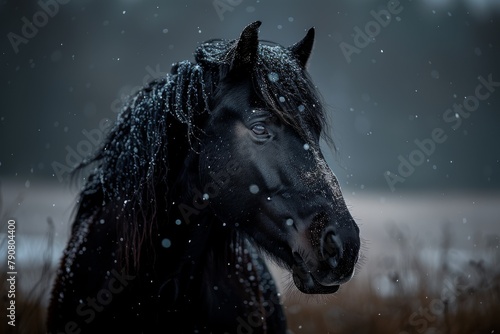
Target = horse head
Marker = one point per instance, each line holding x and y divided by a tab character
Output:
261	169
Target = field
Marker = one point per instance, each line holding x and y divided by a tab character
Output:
431	263
455	293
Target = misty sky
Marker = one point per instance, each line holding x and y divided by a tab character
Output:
413	106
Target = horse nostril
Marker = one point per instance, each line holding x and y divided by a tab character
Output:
333	262
331	248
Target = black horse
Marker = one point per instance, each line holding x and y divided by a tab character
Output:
205	171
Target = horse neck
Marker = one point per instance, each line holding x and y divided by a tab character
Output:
216	258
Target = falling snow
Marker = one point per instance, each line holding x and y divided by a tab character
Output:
254	189
166	243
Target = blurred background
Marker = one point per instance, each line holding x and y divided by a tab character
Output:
413	93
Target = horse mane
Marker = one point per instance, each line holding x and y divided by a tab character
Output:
133	164
133	171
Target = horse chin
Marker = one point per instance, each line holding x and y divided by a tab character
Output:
309	285
306	282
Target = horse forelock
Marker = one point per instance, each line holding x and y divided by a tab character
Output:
280	81
285	86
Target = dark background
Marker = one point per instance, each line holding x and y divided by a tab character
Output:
91	54
79	67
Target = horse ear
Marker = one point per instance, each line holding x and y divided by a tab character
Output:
302	49
245	52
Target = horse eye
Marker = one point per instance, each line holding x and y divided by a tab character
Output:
259	130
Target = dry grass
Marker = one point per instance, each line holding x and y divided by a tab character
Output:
409	295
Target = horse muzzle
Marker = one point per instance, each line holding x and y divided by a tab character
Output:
325	255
